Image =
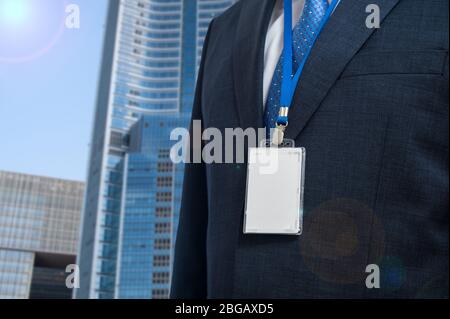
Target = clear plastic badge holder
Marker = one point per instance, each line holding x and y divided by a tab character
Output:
299	188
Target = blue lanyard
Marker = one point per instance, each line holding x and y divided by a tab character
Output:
290	81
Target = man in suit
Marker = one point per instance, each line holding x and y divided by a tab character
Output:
371	109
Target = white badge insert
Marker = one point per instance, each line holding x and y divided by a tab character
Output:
274	198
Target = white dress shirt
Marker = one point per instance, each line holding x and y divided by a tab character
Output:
275	40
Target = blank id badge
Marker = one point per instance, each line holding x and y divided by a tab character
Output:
274	195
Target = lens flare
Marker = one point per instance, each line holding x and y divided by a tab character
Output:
14	12
29	28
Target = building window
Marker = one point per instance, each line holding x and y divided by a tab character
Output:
164	154
161	261
160	293
165	181
165	167
162	228
164	196
161	277
163	212
162	243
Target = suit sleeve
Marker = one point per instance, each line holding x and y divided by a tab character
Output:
189	269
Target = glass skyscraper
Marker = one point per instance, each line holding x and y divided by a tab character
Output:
151	56
39	231
152	194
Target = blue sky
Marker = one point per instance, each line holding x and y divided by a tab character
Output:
47	99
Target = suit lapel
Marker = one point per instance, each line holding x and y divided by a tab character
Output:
248	60
342	37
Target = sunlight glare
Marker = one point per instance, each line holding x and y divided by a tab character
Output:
14	12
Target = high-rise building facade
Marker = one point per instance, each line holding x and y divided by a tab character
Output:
150	206
39	230
151	56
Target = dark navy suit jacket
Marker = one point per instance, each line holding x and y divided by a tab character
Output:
371	109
